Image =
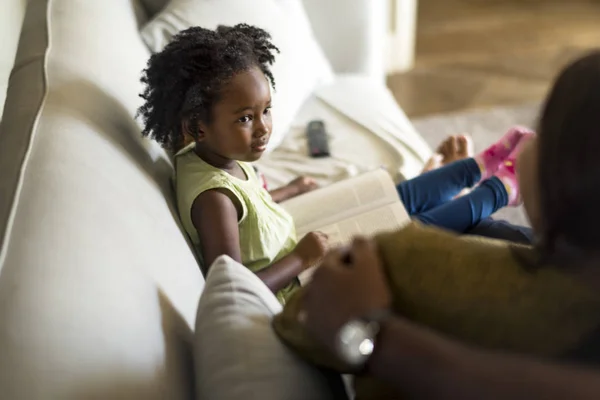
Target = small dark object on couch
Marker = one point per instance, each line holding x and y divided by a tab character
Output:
318	142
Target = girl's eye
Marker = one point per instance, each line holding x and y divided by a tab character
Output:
267	110
245	118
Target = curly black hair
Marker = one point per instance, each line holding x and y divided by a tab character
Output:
185	79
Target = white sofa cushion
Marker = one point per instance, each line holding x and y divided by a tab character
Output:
11	18
366	128
299	68
152	7
236	351
98	286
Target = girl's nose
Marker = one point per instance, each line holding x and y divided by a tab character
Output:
261	129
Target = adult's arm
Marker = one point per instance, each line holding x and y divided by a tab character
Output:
423	364
417	361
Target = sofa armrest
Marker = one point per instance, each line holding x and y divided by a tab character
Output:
352	33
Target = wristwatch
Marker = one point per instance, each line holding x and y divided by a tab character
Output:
356	339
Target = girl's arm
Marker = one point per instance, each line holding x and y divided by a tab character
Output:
295	188
215	217
283	193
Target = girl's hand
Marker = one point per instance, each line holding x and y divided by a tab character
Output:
295	188
312	248
303	184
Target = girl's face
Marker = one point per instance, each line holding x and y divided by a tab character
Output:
241	120
527	174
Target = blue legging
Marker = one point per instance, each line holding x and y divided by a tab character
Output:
430	197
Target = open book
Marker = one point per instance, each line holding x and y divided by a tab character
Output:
363	205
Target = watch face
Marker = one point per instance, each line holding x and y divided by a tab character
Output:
356	342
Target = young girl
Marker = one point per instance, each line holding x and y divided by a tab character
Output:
211	88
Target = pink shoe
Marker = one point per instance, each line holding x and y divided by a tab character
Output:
491	159
508	176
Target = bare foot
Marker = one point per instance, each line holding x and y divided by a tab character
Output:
433	163
453	148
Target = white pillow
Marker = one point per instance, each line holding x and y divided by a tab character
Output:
299	68
237	353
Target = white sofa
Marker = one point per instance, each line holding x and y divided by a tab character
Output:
98	285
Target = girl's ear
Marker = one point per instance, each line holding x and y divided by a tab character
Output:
191	130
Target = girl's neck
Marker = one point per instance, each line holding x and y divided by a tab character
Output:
215	159
226	164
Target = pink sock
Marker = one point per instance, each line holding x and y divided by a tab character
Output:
491	158
507	172
508	176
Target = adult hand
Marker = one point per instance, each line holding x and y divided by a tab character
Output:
349	284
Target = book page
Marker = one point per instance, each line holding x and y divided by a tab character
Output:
342	200
387	218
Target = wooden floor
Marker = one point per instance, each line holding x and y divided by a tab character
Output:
480	53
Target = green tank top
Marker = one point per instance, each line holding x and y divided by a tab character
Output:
267	231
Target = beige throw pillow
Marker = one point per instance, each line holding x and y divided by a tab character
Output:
236	351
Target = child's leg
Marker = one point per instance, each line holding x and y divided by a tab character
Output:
436	187
491	158
499	229
464	212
